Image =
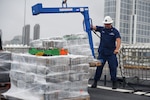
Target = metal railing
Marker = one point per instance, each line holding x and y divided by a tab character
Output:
134	61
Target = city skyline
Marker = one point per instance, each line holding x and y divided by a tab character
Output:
51	25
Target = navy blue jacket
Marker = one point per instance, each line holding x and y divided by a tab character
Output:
108	40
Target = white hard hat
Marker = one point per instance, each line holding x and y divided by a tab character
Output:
107	20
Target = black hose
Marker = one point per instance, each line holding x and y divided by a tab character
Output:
96	34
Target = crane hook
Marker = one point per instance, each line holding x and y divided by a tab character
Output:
64	2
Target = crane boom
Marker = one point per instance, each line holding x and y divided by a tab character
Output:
38	9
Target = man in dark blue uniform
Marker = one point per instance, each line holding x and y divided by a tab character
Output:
109	46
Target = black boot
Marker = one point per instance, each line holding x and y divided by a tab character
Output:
114	84
94	85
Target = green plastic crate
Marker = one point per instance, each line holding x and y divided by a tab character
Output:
49	52
55	51
33	51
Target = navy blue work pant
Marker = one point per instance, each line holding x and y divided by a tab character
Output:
112	62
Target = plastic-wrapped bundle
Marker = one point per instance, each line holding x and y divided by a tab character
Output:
15	66
30	68
78	88
64	86
51	96
58	95
52	87
83	76
26	77
31	59
19	58
53	43
34	87
21	84
80	50
30	77
59	60
17	75
57	77
62	95
47	43
76	59
78	76
74	77
41	61
41	70
5	66
76	39
5	58
80	68
38	88
24	58
78	44
48	76
59	68
13	83
52	60
36	43
61	89
23	67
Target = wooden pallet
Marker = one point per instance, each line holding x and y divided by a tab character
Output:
8	98
2	97
4	86
95	64
79	98
136	67
74	98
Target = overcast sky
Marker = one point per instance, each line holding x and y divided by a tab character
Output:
12	17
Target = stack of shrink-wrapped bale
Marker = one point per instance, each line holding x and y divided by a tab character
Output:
5	65
59	77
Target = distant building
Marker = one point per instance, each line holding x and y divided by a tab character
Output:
6	42
131	18
36	34
16	48
26	35
16	40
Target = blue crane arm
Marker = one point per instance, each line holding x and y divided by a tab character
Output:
38	9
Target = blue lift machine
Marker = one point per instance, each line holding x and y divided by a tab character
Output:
38	9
